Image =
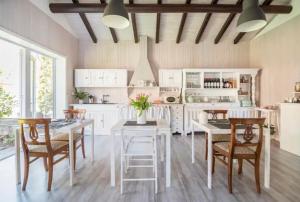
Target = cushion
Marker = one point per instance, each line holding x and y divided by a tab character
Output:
43	148
237	150
65	137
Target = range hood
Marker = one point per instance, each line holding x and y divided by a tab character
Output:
143	75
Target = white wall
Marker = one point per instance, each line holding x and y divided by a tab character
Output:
277	53
26	20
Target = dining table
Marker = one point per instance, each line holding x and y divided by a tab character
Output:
222	126
56	126
163	131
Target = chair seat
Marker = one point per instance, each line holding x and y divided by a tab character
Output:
65	137
221	138
56	145
237	150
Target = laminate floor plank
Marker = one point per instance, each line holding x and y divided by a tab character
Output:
188	180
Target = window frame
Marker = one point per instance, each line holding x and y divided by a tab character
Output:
31	91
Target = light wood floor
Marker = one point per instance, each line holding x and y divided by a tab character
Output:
188	180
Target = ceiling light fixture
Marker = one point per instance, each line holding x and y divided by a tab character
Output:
252	17
115	15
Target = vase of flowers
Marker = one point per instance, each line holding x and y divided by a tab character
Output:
141	104
80	95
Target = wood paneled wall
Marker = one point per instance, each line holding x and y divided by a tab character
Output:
166	54
277	53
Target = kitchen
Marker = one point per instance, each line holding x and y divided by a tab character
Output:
184	75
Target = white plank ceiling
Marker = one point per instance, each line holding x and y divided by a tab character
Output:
146	23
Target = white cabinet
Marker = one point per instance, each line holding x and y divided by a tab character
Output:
82	78
289	127
176	118
104	116
170	78
100	78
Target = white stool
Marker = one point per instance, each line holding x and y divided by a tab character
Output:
138	142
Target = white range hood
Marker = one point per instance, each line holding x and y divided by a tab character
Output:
143	75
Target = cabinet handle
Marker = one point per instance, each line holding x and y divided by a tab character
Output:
171	77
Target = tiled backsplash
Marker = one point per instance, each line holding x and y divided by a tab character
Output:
120	95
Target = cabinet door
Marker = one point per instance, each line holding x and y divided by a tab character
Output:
170	78
109	120
120	78
98	118
97	77
82	78
177	78
109	78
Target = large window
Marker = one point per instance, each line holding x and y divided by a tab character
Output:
28	83
10	79
42	85
11	61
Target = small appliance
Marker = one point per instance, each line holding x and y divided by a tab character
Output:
171	99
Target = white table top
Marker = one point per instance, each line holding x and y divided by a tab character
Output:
162	126
207	127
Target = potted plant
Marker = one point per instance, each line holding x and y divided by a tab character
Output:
141	104
80	95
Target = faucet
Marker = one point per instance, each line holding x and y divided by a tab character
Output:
104	99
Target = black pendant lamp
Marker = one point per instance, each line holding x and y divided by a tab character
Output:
252	17
115	15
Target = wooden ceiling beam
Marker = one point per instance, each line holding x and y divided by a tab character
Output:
111	30
134	27
86	23
204	23
164	8
242	34
226	24
182	22
157	24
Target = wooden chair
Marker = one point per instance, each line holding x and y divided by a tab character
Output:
247	147
78	136
40	147
217	137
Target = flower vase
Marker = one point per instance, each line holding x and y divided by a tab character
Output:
80	101
141	117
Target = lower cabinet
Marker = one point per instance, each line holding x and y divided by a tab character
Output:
105	117
176	118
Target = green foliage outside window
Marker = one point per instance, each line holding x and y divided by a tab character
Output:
45	92
6	102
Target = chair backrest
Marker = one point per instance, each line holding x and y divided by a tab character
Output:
30	135
128	134
139	131
215	113
153	113
75	114
243	113
252	135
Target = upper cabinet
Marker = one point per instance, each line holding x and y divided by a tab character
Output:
170	78
231	86
100	78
